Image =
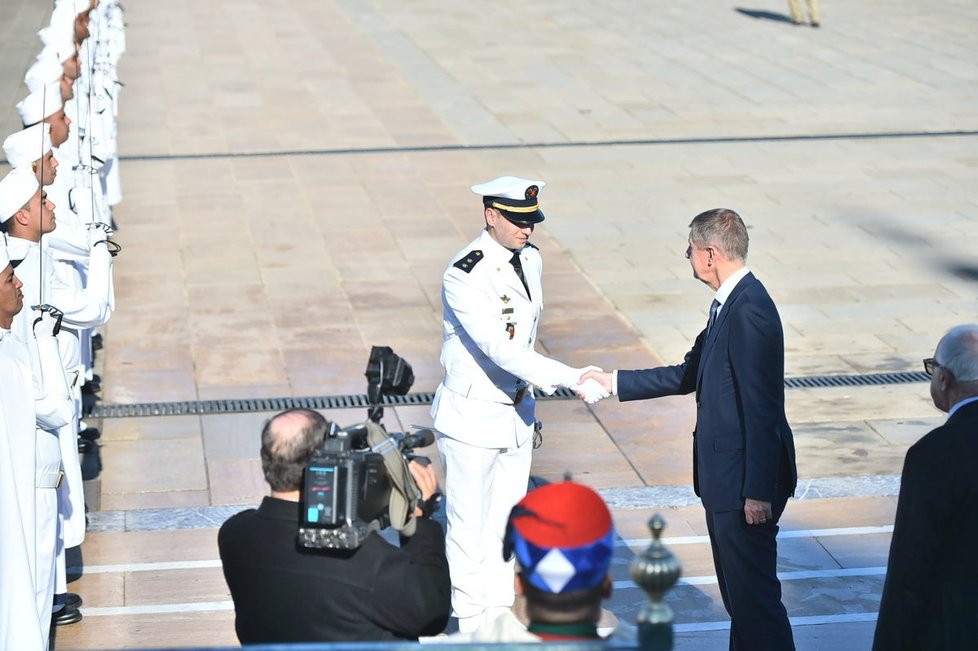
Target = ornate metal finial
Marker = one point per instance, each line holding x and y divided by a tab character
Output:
655	571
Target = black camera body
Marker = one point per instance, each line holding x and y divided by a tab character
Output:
349	481
345	496
346	489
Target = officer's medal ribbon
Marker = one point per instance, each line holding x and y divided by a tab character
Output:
508	316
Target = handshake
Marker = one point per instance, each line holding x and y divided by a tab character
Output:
592	385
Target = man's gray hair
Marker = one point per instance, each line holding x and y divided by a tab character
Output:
721	228
958	352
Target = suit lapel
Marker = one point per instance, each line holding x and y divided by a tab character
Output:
720	323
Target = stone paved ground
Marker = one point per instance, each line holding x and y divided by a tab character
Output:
296	177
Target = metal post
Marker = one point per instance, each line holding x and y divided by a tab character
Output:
655	571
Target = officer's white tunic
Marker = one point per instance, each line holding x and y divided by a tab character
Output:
490	329
20	626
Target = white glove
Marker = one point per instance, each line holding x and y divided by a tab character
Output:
96	234
572	380
47	320
591	391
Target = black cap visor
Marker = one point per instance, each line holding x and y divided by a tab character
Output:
521	218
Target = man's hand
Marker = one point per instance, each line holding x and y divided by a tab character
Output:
757	512
424	476
47	320
574	378
591	391
604	379
97	232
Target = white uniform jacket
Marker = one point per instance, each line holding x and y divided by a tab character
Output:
490	330
20	627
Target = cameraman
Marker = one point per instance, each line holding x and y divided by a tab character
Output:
285	593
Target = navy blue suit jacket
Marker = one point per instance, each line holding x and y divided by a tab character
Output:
743	445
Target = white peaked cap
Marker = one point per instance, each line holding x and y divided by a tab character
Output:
40	104
16	189
514	197
4	256
507	187
25	147
44	71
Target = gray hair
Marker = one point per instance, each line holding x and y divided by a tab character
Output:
958	352
288	440
721	228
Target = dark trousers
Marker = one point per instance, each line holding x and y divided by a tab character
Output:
746	559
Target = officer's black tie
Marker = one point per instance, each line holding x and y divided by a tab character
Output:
714	306
518	266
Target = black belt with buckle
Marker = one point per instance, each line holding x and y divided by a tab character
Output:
520	394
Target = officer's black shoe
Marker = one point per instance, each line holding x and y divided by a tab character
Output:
73	600
91	387
90	433
66	616
85	446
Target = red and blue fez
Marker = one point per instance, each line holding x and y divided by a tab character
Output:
563	537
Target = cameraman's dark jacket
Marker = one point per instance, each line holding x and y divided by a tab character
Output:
283	593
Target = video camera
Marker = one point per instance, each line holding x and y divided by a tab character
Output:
358	481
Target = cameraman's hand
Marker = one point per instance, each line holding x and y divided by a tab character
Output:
426	480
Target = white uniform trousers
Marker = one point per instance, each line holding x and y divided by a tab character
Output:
46	522
481	487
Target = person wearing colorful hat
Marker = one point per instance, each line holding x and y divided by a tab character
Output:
563	540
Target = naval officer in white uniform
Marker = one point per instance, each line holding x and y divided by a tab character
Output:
484	408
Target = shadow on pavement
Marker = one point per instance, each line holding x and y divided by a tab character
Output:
762	14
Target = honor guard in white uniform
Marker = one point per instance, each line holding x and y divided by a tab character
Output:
484	409
69	245
20	626
24	211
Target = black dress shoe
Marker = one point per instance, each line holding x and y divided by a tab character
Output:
66	616
73	600
85	446
90	433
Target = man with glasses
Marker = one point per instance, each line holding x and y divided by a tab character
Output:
929	598
743	450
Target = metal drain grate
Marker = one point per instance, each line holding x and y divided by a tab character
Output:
252	405
869	379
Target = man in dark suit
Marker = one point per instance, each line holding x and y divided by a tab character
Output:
743	450
930	598
283	592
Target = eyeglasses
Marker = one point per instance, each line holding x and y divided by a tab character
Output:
930	364
690	249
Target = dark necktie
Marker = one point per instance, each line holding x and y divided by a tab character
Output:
518	267
714	306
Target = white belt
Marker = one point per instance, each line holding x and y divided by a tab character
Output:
48	479
468	389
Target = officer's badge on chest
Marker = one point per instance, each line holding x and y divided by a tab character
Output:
507	317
